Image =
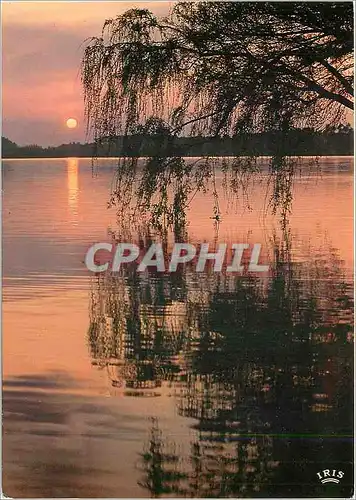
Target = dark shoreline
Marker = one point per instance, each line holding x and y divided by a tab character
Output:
338	141
114	157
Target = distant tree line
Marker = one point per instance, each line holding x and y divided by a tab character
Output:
12	150
334	140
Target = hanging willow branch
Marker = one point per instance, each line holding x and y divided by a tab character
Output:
211	69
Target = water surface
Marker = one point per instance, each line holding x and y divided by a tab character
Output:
183	384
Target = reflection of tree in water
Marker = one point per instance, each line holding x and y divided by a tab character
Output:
219	467
160	463
263	365
135	326
271	359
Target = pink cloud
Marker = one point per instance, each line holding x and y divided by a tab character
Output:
43	43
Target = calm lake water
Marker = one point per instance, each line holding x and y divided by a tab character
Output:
184	384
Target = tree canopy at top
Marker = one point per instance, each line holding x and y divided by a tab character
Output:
216	69
221	67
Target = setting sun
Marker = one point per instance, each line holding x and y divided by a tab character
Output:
71	123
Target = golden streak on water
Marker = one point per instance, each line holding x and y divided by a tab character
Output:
73	190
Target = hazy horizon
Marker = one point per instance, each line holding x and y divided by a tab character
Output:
43	44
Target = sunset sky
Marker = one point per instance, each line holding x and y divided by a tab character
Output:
42	48
43	43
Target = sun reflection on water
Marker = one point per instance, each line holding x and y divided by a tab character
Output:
73	190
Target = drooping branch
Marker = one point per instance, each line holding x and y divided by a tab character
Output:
342	79
219	68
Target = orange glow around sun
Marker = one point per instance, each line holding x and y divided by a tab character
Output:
71	123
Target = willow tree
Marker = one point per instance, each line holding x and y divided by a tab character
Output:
213	69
